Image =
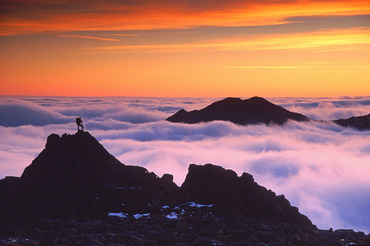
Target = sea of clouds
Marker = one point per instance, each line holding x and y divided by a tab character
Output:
322	168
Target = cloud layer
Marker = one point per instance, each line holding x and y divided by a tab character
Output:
321	167
17	113
327	108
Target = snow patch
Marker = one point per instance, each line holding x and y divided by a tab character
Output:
121	215
138	216
193	204
172	215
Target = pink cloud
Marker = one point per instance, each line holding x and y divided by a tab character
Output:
320	167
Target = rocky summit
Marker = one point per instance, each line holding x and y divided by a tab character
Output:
76	176
254	110
76	193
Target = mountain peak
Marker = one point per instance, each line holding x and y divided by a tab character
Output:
67	155
257	99
254	110
80	138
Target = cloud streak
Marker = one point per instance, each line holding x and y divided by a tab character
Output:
338	39
88	37
38	16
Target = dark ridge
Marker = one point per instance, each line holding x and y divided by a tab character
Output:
76	176
359	122
210	184
254	110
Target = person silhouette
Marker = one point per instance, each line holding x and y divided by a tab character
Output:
79	124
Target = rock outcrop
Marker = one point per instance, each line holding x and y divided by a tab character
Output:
255	110
210	184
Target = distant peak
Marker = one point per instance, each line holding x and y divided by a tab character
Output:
234	99
257	99
361	123
254	110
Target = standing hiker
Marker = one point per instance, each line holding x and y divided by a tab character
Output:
79	124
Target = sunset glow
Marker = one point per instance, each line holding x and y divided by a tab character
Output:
187	48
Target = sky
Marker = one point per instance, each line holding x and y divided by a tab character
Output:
320	167
204	48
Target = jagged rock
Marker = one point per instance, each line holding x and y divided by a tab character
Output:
243	112
210	184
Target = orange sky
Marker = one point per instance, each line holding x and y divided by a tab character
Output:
185	48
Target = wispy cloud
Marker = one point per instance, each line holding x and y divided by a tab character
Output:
37	16
87	37
271	67
124	35
338	39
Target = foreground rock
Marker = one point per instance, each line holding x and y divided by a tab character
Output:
255	110
197	230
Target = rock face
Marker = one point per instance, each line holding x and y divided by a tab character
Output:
211	184
359	122
162	231
243	112
75	176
